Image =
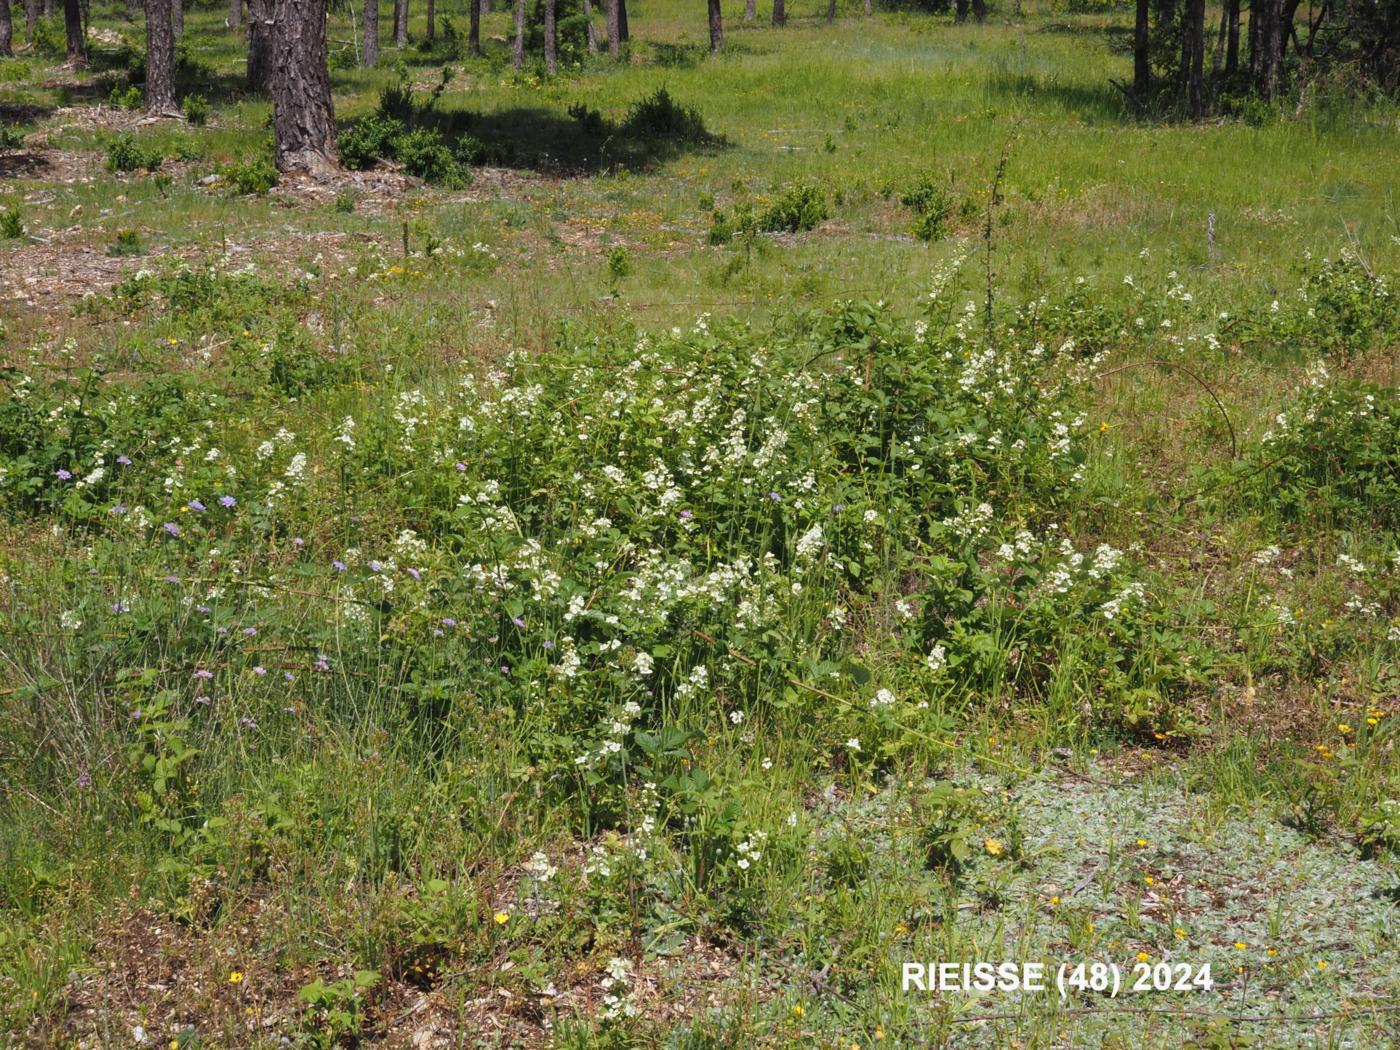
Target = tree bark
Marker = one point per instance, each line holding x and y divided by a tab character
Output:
623	32
1232	41
979	10
716	27
1268	41
551	38
614	30
303	118
588	31
517	55
48	8
401	22
474	29
369	48
1190	82
7	29
869	8
1142	57
259	43
160	59
133	8
73	28
235	13
830	12
779	13
750	10
31	15
961	7
431	12
177	18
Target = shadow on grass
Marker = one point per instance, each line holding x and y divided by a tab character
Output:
1102	102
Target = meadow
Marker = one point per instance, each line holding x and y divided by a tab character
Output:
681	538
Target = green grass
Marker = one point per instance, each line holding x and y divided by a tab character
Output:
1165	651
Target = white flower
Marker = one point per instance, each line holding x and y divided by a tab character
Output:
937	658
853	744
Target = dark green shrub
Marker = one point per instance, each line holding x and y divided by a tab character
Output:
196	110
11	225
11	137
128	243
367	140
931	200
659	116
253	175
125	153
423	153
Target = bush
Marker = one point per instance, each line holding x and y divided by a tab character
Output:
11	225
11	137
931	200
423	153
253	175
659	116
196	109
130	99
799	207
367	140
128	243
125	153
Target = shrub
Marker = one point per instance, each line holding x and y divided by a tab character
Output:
125	153
255	175
659	116
11	225
367	140
424	153
196	109
128	243
931	200
11	137
799	207
131	98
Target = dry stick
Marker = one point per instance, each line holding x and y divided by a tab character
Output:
1234	445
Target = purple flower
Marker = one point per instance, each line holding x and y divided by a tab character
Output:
119	508
375	566
321	664
171	528
447	621
250	631
686	515
201	699
338	565
120	607
202	673
838	507
548	644
517	621
63	475
84	778
297	541
461	467
775	497
414	573
172	579
260	670
227	502
195	505
437	632
248	723
203	609
124	461
288	676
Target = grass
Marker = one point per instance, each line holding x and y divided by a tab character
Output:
498	615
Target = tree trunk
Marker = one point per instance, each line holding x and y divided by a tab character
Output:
303	119
614	29
474	30
73	27
401	22
1142	60
1268	41
7	29
1217	58
235	13
979	10
779	13
551	38
160	59
623	32
177	18
750	10
133	8
1190	87
869	8
830	12
1232	42
31	15
259	43
48	8
961	7
432	19
517	56
369	48
588	30
716	27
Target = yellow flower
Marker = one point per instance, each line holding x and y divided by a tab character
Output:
502	917
1142	842
899	927
235	977
1322	964
1240	945
879	1035
992	846
797	1010
1343	728
1149	880
1054	900
1271	951
1103	428
1180	933
1143	957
